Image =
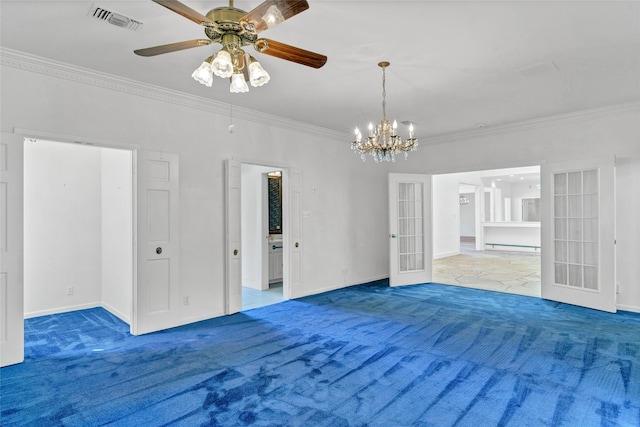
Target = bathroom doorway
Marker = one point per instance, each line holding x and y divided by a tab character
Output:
262	215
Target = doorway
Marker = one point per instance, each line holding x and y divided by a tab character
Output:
481	238
78	228
262	216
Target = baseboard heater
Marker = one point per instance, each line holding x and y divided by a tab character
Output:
493	245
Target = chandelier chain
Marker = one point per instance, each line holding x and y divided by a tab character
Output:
384	94
383	142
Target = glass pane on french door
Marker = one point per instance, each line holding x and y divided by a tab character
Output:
410	233
575	216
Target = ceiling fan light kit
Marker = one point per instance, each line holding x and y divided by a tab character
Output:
383	142
257	75
222	66
234	29
203	74
238	84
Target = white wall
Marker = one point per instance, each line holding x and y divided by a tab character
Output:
447	209
117	233
254	226
522	191
468	216
344	237
496	191
345	231
445	215
607	132
62	227
78	228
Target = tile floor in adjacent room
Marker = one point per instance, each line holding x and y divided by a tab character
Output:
254	298
501	271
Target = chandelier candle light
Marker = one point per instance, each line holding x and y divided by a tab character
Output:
383	142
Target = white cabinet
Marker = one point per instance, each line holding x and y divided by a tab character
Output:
275	262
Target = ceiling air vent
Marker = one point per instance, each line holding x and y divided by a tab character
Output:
114	18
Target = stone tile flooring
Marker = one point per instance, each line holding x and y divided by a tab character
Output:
501	271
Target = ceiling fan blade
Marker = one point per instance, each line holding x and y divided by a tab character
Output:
273	12
290	53
173	47
185	11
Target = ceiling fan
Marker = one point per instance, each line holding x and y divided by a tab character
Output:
233	29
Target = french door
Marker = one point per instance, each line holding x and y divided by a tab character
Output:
410	241
578	233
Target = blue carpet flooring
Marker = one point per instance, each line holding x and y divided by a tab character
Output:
368	355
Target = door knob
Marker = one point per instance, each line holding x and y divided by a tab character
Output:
297	244
158	250
235	252
393	236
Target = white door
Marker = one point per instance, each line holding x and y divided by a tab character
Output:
292	231
578	240
11	250
410	247
233	258
156	295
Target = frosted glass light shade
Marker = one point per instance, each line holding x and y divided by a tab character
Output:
257	75
203	74
238	84
222	65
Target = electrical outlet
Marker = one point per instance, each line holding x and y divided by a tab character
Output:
186	300
69	290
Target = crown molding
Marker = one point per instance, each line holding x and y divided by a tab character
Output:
20	60
537	123
32	63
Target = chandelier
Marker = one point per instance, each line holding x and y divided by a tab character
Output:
383	142
233	63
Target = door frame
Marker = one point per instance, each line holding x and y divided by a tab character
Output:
12	249
287	279
100	143
260	236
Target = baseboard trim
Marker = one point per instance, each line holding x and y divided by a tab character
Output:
59	310
202	318
631	308
336	287
446	254
126	319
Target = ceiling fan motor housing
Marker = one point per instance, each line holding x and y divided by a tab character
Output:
227	20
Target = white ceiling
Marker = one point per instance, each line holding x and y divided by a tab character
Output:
454	64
